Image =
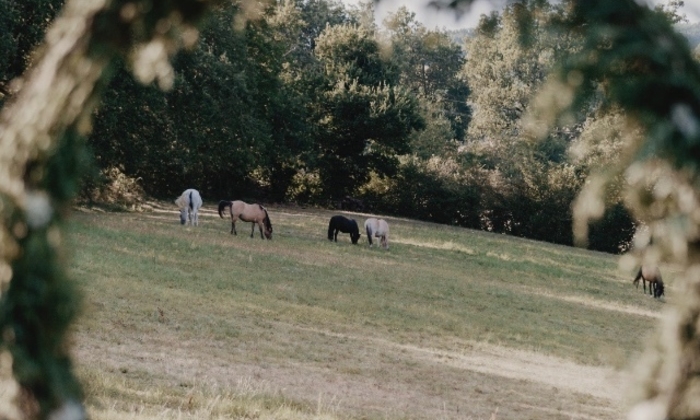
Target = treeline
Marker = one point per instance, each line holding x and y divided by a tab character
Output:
308	101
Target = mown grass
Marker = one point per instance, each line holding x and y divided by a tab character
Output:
152	285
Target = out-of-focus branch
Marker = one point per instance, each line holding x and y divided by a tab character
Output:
632	56
41	145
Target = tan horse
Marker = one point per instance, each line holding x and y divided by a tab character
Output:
254	213
377	228
651	274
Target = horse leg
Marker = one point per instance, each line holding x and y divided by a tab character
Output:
260	227
335	235
233	227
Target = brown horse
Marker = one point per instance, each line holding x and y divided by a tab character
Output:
652	275
254	213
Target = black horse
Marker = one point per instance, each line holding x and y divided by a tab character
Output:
343	224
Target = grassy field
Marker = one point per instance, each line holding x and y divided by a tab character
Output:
449	323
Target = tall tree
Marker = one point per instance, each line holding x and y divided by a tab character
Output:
364	119
23	24
504	72
228	116
429	63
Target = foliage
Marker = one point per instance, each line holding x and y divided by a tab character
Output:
503	71
113	188
438	192
438	138
22	27
429	63
212	127
363	117
277	109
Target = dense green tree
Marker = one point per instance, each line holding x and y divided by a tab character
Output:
438	138
504	72
364	119
23	24
229	115
352	52
429	63
316	15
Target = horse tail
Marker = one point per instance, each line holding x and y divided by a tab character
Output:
191	203
368	229
222	205
266	220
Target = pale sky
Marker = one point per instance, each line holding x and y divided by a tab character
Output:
447	20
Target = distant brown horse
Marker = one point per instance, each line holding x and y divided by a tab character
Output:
254	213
651	274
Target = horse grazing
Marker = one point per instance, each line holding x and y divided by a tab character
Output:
189	203
378	228
343	224
253	213
652	275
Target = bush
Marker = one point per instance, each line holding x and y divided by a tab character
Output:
433	190
114	189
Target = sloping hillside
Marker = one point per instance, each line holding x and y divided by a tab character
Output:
448	323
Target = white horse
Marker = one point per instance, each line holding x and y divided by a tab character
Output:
189	203
377	228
